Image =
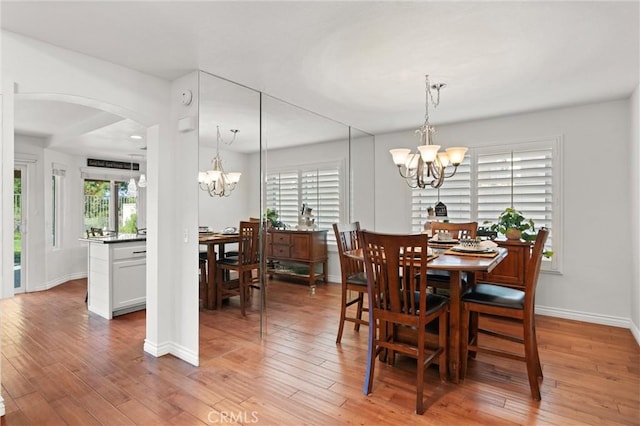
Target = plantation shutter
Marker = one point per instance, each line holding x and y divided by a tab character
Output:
317	187
320	190
282	195
519	178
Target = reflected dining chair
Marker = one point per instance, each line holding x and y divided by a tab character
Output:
248	260
396	303
505	302
353	277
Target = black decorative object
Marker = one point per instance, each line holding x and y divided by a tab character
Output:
441	209
110	164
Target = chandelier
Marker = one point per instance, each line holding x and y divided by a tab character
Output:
216	181
427	167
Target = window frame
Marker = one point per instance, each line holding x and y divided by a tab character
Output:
58	174
300	170
114	177
555	143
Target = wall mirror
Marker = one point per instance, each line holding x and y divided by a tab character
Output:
311	170
233	111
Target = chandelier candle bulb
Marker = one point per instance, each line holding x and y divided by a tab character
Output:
456	155
443	158
400	156
428	152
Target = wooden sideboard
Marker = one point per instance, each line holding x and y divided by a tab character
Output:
513	269
296	254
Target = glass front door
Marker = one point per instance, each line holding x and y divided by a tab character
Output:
19	230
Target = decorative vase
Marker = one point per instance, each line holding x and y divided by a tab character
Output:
513	234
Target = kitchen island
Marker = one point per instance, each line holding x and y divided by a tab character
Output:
116	274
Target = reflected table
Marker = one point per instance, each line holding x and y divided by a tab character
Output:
211	241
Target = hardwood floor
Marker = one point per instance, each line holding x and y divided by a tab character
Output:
62	365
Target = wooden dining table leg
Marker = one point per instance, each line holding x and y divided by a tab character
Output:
455	290
211	276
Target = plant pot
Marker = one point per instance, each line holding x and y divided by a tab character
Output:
513	234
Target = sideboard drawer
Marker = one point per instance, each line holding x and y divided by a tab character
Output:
281	238
281	250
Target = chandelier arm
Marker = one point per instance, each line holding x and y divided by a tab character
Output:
413	184
407	174
455	169
437	183
420	174
436	169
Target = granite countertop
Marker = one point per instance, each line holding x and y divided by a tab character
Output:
120	238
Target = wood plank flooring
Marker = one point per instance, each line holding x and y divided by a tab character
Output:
63	365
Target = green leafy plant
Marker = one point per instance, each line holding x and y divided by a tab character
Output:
272	217
511	219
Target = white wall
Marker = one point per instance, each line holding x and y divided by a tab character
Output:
181	244
31	149
634	196
69	259
596	282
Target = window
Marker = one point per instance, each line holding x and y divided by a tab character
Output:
57	175
320	187
525	176
107	206
455	193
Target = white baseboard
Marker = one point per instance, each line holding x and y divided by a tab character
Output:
156	350
635	331
334	278
185	354
584	316
57	281
172	348
1	406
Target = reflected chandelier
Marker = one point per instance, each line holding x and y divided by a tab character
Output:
132	189
427	167
216	181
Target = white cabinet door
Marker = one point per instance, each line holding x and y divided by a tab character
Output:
129	283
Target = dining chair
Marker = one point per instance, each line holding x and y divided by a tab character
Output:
353	277
396	303
439	280
234	253
248	260
458	230
506	302
202	281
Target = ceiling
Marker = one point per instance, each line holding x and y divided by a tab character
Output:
360	63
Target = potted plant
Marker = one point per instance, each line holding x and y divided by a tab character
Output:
272	218
513	225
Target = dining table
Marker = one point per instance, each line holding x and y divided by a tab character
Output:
445	259
213	240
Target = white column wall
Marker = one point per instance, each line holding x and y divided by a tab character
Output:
634	161
182	236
